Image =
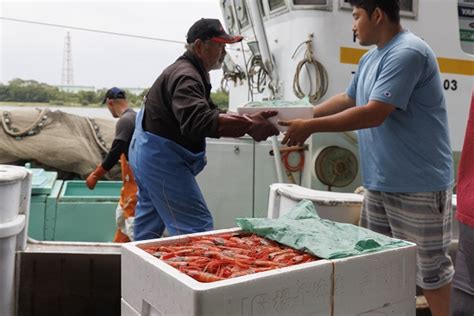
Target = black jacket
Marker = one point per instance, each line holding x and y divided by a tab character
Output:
178	106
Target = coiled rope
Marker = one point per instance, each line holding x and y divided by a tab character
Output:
236	75
321	75
257	76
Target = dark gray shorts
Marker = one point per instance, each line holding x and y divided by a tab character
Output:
423	218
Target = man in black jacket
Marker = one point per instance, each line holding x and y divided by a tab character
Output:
168	147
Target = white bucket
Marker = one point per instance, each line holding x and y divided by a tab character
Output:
15	191
335	206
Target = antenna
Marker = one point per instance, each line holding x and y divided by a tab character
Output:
67	74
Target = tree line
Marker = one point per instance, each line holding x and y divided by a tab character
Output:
18	90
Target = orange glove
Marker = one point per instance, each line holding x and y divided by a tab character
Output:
95	176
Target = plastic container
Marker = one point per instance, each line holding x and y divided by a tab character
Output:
86	215
338	207
15	192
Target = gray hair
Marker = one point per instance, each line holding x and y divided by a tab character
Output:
189	47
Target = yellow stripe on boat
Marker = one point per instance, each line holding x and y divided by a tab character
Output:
446	65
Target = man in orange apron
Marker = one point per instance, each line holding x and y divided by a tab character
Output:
118	106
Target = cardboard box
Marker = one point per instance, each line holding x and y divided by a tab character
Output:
317	288
285	113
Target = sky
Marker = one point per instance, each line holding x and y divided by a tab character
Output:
30	51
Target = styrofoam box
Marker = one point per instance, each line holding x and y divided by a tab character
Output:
404	308
335	206
285	113
127	310
358	284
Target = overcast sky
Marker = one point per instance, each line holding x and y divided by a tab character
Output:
30	51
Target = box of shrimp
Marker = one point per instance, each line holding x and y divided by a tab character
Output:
223	272
231	272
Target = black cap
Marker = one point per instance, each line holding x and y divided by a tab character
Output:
114	93
210	29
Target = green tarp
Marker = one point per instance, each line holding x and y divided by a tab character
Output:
304	230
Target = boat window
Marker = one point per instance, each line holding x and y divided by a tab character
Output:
229	15
311	5
466	25
408	8
242	14
276	4
310	2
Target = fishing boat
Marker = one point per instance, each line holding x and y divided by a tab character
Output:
293	49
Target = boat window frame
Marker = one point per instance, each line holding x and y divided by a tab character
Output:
403	13
263	5
249	21
229	5
323	7
280	10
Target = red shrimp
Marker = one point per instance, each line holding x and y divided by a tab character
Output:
203	276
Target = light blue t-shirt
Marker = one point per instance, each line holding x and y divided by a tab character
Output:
410	151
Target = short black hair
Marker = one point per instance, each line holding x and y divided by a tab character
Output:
390	7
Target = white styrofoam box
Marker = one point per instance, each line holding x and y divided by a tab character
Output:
127	310
404	308
285	113
383	278
148	282
335	206
374	280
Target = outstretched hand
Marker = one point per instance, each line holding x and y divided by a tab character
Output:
262	128
297	132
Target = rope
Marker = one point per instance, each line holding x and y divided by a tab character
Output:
39	123
30	130
321	75
293	168
235	75
97	137
257	75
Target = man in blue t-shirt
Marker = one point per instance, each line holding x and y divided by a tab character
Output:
395	101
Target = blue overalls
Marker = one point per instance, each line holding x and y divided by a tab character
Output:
168	194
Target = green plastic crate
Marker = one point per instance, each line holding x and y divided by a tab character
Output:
44	193
87	215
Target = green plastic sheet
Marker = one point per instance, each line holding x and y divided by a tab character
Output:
304	230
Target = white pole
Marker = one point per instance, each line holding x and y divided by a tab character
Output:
277	156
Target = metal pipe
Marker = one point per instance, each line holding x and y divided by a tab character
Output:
262	41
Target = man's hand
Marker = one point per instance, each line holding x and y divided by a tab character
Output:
232	125
262	128
297	133
95	176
